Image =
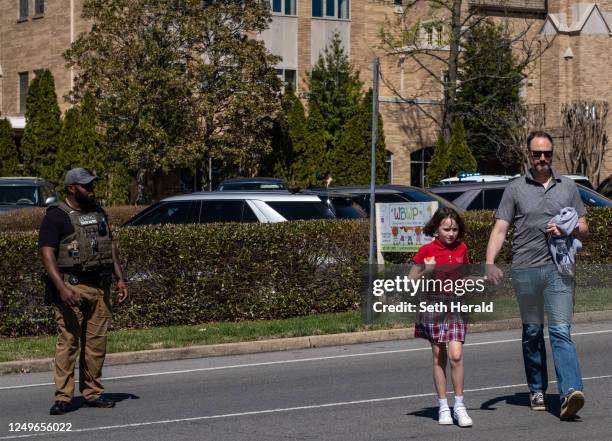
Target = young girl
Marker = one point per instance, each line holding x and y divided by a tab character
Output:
444	328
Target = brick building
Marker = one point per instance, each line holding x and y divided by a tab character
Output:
34	34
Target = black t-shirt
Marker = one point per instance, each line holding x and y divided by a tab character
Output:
54	227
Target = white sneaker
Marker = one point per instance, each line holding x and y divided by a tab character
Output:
444	417
462	417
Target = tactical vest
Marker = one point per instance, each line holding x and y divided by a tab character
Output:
89	248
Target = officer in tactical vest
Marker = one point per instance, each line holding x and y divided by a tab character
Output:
80	260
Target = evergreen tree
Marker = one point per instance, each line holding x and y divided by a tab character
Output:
81	145
335	88
310	154
439	164
351	156
41	135
460	156
490	91
70	153
9	161
288	132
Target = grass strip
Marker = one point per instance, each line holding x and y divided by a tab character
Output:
24	348
505	307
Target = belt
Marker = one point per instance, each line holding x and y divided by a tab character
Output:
84	278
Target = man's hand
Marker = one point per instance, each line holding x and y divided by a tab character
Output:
493	273
123	291
553	230
69	296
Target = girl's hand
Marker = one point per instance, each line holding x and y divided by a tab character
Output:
430	264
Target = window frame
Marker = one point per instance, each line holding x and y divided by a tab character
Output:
24	10
431	34
39	4
284	4
421	162
281	72
327	5
23	91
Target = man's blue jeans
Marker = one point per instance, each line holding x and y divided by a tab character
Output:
538	288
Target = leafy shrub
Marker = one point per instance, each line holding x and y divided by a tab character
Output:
29	219
189	274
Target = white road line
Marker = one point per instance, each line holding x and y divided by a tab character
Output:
300	360
270	411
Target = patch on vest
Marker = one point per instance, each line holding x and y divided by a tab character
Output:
88	219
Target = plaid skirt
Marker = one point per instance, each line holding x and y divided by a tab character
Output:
441	326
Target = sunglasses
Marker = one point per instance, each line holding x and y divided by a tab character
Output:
88	187
537	153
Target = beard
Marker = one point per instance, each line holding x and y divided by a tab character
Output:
85	200
542	167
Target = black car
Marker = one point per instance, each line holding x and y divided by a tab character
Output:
487	195
344	205
394	194
605	188
24	192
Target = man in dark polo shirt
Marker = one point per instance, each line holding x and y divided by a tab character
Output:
530	202
80	258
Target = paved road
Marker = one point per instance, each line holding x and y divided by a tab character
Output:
379	391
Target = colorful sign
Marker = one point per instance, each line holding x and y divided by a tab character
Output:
399	227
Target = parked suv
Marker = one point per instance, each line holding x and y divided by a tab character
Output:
252	184
344	205
487	195
24	192
394	193
605	187
229	206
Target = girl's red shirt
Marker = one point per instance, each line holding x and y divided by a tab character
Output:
455	254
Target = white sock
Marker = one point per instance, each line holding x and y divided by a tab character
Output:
459	401
443	403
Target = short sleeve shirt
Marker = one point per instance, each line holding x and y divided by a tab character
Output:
530	206
456	254
448	259
54	227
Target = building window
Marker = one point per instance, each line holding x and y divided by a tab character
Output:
23	9
432	34
284	7
23	91
332	8
419	161
343	9
389	164
288	78
39	7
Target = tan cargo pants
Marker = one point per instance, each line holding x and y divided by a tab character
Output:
87	324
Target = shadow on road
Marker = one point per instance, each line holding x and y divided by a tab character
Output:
553	405
426	412
79	402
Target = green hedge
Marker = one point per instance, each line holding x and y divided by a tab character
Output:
197	273
28	219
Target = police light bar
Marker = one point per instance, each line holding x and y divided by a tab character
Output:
462	175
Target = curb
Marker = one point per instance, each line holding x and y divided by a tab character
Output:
274	345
